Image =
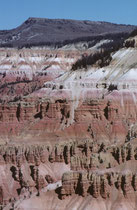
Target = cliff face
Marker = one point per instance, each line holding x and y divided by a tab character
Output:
39	91
68	123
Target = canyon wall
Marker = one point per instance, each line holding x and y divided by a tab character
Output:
68	133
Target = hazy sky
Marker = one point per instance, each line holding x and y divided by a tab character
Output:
15	12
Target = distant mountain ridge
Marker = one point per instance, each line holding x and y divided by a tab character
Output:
42	31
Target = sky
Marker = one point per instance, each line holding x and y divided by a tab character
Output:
15	12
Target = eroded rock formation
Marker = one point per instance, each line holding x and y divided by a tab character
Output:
72	130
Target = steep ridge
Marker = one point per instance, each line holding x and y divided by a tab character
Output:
42	31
